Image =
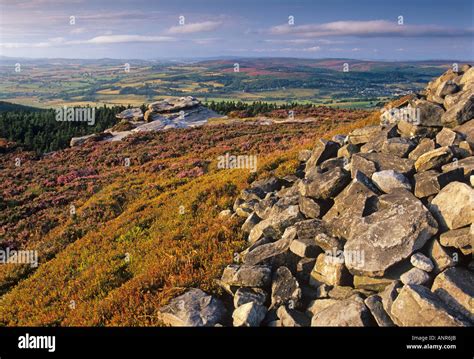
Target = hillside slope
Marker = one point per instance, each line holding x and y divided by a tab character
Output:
115	242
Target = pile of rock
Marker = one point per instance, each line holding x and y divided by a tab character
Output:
374	229
170	113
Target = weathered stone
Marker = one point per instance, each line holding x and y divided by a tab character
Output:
274	225
304	245
364	134
347	151
325	185
345	313
246	295
398	146
264	207
370	283
425	145
350	205
374	303
250	222
447	137
440	257
328	242
246	275
453	206
415	276
270	184
417	306
249	315
362	164
467	165
426	113
329	270
389	180
285	289
309	207
319	305
455	286
400	226
268	251
433	159
461	238
194	308
249	194
389	294
419	260
408	129
324	150
431	182
461	112
384	161
467	131
448	87
292	318
131	114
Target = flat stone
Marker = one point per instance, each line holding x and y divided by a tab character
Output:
430	182
398	146
400	226
371	283
362	164
374	303
268	251
385	161
364	134
415	276
408	129
309	207
453	206
466	164
419	260
247	275
455	286
433	159
389	180
249	315
344	313
305	246
194	308
461	238
447	137
417	306
325	185
425	145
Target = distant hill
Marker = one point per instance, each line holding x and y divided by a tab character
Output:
8	106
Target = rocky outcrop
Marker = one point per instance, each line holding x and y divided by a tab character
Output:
374	229
170	113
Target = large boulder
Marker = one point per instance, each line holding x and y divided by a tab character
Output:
194	308
455	286
324	150
399	226
351	312
461	112
453	206
417	306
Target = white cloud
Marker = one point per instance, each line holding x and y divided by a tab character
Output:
372	28
98	40
204	26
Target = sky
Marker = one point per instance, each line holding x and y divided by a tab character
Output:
177	29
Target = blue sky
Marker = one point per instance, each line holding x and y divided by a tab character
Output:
237	28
